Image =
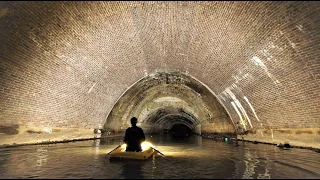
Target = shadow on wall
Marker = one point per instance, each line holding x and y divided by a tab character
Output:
9	130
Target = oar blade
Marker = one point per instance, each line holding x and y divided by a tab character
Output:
114	149
157	150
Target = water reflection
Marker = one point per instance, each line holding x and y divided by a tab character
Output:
256	163
193	157
42	156
153	166
266	174
249	164
159	140
132	169
96	147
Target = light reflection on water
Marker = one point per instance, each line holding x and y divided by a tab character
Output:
189	158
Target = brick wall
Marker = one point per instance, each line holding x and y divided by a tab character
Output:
65	64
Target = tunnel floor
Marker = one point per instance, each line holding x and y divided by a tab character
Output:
192	157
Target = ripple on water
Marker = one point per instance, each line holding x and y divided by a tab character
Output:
191	158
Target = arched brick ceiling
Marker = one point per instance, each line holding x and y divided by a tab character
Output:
165	98
65	64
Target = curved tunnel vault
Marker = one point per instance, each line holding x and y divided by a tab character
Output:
167	98
64	65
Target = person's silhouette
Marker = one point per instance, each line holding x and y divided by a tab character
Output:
134	136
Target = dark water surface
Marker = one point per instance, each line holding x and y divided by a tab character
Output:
193	157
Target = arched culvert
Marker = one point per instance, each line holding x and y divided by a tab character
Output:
180	130
165	98
161	120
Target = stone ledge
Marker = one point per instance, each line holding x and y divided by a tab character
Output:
39	135
307	138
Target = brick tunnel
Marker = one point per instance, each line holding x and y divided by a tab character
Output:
244	69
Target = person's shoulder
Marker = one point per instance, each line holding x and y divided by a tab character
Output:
138	128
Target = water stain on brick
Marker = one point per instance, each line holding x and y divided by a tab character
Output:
56	130
250	131
9	130
303	132
283	131
31	131
268	132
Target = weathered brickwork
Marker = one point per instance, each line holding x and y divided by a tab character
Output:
165	98
65	64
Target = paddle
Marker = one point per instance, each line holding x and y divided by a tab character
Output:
114	149
157	151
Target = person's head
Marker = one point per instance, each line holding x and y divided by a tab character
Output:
134	121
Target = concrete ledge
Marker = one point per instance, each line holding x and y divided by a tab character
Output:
308	138
217	135
41	135
44	142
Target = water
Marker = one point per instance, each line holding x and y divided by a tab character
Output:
189	158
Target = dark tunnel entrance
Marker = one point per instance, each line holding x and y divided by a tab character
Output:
180	131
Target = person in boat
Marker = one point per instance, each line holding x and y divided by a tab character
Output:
134	136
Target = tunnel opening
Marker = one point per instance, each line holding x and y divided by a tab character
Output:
180	131
169	101
164	120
